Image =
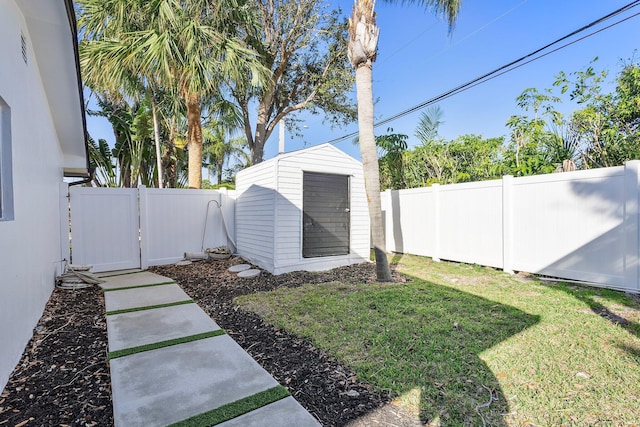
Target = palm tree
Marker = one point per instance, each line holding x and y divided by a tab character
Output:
112	79
218	150
362	50
188	45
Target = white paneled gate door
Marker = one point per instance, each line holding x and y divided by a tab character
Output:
105	227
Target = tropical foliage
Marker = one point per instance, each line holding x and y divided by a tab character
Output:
131	160
207	70
185	49
601	132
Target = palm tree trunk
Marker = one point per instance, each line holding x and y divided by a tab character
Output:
156	135
194	139
370	167
220	168
169	157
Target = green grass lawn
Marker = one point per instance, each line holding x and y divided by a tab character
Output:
457	337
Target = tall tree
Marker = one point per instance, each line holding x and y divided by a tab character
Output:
303	47
362	51
188	45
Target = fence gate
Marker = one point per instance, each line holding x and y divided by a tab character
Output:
105	228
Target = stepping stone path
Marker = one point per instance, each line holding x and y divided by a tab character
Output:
253	272
171	363
245	270
239	267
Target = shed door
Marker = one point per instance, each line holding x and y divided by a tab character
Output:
326	215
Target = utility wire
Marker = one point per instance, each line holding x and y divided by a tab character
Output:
496	73
473	33
548	53
526	59
462	40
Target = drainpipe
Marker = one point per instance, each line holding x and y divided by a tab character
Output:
65	229
85	180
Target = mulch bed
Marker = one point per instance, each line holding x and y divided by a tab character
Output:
63	376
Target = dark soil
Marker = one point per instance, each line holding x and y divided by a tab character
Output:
63	376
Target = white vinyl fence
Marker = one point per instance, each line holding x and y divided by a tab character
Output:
120	228
580	225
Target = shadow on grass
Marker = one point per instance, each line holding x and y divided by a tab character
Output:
432	338
395	259
409	339
592	297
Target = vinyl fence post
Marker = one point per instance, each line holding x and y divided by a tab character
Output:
632	225
229	208
387	217
143	226
436	222
507	223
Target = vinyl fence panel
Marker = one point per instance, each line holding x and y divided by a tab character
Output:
571	225
121	228
174	221
470	224
581	225
460	222
414	207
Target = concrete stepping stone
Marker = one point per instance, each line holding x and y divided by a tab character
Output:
173	362
118	272
144	297
171	384
133	279
128	330
249	273
239	267
283	413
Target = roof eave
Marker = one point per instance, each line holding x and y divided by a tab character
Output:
71	15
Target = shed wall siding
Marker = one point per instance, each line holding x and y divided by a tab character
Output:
255	204
34	234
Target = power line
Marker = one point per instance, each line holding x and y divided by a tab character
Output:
552	51
493	74
526	59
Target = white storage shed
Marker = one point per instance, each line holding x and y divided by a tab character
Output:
304	210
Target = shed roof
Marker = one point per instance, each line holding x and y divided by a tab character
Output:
320	147
52	31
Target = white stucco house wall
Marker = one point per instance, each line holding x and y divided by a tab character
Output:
42	139
303	210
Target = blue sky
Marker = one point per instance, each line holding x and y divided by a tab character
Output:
419	59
